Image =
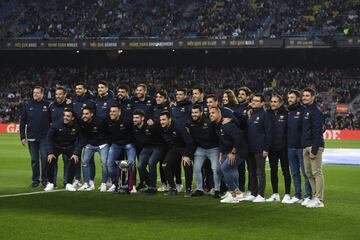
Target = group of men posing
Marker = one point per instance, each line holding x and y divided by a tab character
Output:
213	141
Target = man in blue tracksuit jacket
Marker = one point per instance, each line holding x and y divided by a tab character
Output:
233	150
278	149
182	110
241	113
83	98
313	143
143	101
34	124
259	137
104	100
124	101
180	149
57	108
295	151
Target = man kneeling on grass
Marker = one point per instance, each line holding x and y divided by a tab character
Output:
233	150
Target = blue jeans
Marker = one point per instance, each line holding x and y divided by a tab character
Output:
113	159
149	156
37	150
230	173
89	152
201	154
295	156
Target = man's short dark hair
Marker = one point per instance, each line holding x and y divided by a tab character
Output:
184	90
165	113
246	90
90	109
262	98
213	96
278	96
62	89
39	87
296	92
198	88
82	84
138	112
103	83
162	92
123	86
197	106
310	90
71	111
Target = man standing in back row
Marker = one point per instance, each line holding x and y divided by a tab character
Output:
313	143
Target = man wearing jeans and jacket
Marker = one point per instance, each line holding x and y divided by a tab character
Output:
202	130
313	143
95	140
295	151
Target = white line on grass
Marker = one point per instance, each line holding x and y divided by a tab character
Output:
30	193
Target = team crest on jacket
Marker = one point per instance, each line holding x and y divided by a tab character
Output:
105	103
174	133
281	117
45	108
84	105
257	118
182	109
297	113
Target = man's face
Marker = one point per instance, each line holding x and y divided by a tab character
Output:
211	102
80	90
197	96
114	113
307	99
122	93
102	89
214	114
60	96
140	92
292	99
242	96
68	117
87	115
138	120
37	94
275	103
180	96
159	99
164	121
196	114
225	98
256	102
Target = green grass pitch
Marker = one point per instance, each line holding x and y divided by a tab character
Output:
95	215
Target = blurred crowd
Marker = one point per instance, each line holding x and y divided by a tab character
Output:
177	19
334	85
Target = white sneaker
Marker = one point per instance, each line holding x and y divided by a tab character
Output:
112	188
274	198
69	187
315	203
225	195
240	197
76	184
295	200
306	202
49	187
212	192
179	187
163	188
84	187
250	198
246	194
103	187
286	199
229	199
258	199
91	185
108	184
133	190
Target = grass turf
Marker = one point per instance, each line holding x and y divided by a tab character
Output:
89	215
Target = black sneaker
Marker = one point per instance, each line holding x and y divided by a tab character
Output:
197	193
171	192
141	187
188	193
151	191
216	194
34	184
